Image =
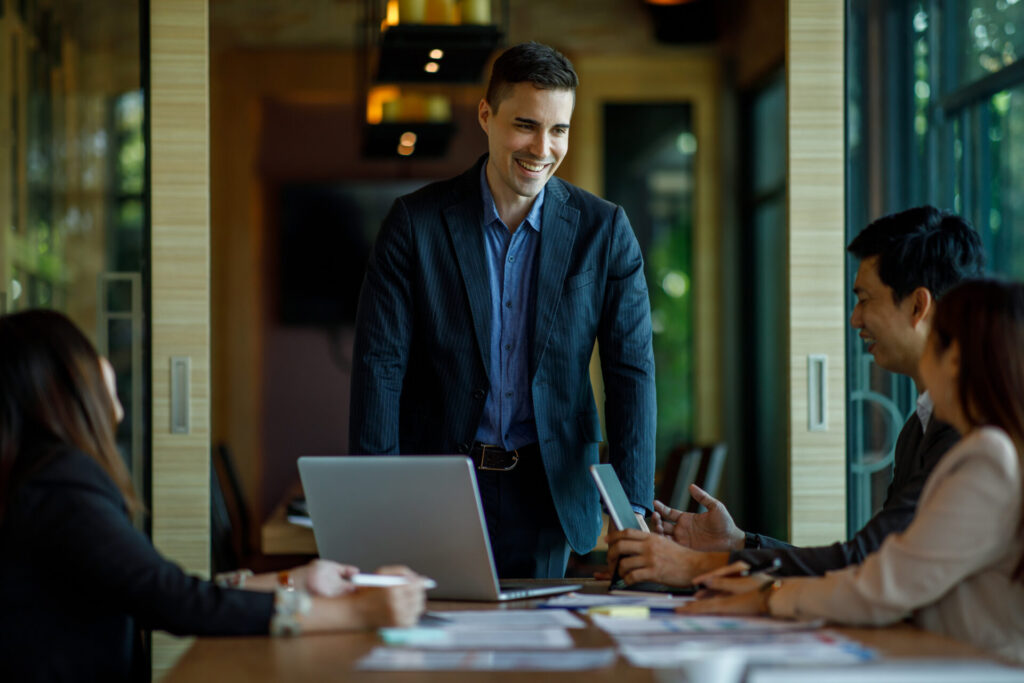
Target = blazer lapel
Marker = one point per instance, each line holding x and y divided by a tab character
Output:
559	222
465	221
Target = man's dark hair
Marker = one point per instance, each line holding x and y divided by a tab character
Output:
543	66
921	247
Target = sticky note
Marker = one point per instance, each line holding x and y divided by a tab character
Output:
413	636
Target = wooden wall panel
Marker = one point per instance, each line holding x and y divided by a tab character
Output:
180	189
666	75
814	60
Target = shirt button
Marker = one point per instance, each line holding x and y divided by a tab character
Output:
508	304
511	259
508	394
508	347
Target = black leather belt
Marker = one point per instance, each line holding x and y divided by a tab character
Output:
495	458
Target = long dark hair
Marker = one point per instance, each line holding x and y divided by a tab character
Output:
986	319
53	396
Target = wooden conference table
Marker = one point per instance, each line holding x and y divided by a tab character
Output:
333	656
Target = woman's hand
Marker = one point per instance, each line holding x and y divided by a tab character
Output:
733	595
392	606
325	578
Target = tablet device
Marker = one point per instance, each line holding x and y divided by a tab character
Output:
614	497
620	511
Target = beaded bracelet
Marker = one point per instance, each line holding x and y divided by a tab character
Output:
289	605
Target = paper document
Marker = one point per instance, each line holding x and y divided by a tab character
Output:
401	659
700	625
465	639
665	603
789	648
892	671
508	619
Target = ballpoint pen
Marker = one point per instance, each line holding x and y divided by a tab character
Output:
766	567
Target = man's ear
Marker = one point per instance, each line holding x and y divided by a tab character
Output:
923	305
483	113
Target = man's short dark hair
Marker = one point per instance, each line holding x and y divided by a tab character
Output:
543	66
921	247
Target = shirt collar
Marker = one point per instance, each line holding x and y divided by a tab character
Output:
924	409
532	219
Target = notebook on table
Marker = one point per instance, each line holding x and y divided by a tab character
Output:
423	512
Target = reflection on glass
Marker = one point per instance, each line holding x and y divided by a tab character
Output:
72	186
993	35
1005	192
650	174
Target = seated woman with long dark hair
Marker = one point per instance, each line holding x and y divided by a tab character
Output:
77	580
958	569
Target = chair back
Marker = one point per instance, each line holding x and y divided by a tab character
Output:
690	464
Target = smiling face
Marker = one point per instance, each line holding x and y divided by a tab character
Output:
895	333
527	137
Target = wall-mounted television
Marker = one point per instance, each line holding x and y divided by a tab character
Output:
325	232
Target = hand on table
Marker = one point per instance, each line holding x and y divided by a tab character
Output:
733	595
713	530
734	576
392	605
325	578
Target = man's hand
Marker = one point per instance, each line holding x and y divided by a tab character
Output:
648	557
713	530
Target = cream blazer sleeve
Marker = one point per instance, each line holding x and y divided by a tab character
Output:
966	520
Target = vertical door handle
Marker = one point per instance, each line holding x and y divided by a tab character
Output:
817	392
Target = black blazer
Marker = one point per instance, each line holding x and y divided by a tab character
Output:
419	378
78	581
917	454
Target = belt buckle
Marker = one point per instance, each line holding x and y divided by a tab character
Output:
488	468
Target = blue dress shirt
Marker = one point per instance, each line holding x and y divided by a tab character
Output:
511	263
508	419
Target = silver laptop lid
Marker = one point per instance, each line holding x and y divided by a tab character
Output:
420	511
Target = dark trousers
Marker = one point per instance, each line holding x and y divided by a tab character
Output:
526	537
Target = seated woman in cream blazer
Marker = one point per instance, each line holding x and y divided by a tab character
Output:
957	569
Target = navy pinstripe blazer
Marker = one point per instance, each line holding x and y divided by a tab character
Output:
419	377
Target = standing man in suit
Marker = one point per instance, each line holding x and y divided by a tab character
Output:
482	301
907	261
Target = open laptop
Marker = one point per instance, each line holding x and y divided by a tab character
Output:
420	511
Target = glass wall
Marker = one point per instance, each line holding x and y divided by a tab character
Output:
764	259
935	115
73	181
650	174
